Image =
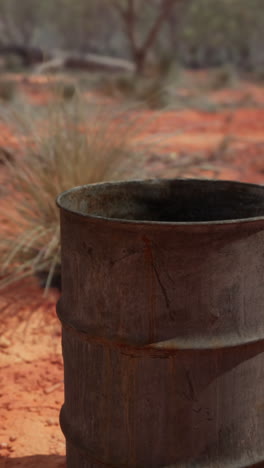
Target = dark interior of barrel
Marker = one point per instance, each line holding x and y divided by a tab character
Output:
168	200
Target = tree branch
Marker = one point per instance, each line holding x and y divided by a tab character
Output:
166	7
128	16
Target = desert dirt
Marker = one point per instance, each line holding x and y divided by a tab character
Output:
226	144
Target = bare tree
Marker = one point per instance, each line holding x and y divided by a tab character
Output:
129	13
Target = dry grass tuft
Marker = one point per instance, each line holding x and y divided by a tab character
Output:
71	143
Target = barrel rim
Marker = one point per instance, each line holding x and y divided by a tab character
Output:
159	223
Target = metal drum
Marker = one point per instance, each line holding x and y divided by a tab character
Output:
162	311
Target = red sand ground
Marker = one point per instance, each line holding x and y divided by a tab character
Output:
31	382
228	144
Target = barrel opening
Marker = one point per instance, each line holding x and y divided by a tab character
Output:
178	200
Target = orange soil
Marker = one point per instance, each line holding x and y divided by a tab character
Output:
228	144
31	380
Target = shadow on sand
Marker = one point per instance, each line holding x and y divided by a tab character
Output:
35	461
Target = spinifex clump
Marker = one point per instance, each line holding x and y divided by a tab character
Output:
70	143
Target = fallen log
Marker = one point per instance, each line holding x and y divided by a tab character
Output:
95	62
45	60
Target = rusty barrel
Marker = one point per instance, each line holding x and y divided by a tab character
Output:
162	311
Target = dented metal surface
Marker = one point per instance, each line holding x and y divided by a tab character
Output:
163	331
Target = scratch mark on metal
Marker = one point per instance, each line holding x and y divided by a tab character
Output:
154	267
127	255
165	295
191	394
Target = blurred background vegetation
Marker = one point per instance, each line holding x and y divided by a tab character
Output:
193	33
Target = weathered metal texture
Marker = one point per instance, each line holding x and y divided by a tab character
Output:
163	324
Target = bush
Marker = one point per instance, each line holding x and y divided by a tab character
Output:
119	86
222	31
147	91
72	144
258	75
7	90
68	91
13	63
223	77
153	94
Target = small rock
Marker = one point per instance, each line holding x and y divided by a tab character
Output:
4	342
3	445
51	422
12	438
